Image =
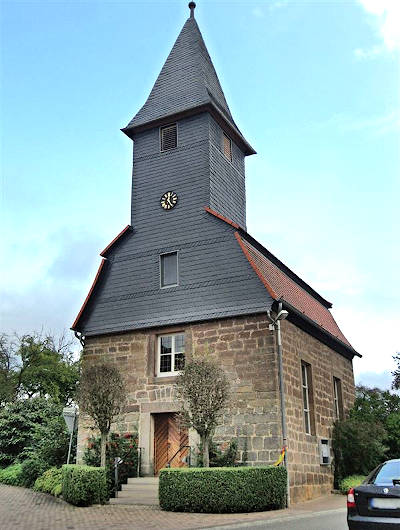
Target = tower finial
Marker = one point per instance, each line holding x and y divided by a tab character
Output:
192	6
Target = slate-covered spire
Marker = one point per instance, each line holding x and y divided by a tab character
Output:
187	83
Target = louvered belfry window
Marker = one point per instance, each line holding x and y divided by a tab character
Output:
168	137
227	147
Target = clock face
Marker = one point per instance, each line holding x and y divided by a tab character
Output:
168	200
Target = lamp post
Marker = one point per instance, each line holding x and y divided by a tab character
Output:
275	325
70	415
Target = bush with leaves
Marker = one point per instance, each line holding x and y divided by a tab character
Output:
223	490
84	485
358	447
124	446
220	455
50	482
11	475
31	469
350	482
33	427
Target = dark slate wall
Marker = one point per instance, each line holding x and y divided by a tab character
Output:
215	278
227	179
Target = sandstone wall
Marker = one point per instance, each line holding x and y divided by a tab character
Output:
308	477
245	349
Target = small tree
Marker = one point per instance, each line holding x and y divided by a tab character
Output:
204	389
396	373
102	395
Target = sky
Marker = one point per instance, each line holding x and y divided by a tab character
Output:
314	87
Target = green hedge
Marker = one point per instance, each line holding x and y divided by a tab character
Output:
50	482
11	475
84	485
223	490
350	482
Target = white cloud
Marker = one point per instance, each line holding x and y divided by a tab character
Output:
385	18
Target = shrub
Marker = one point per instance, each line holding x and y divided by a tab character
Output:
350	482
11	475
123	446
84	485
33	426
31	469
50	482
358	447
219	456
223	490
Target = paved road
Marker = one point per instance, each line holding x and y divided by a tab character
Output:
24	509
331	520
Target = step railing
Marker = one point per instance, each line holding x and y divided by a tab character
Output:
181	448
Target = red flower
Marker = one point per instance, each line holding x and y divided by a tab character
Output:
130	446
127	435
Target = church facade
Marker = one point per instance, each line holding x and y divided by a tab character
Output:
185	276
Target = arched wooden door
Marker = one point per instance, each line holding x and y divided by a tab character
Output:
169	439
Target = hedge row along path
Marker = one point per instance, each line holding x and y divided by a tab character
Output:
24	509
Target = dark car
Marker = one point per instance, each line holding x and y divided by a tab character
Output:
375	504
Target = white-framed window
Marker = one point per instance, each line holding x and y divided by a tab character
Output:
337	398
169	273
227	147
168	137
306	387
171	354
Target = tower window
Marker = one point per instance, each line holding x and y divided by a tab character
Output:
227	147
337	398
168	137
169	269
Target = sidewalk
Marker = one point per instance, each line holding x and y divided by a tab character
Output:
23	509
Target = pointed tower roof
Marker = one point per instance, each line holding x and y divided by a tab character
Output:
186	85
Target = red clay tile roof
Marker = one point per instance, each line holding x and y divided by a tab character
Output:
281	287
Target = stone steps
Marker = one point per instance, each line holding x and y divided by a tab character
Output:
141	490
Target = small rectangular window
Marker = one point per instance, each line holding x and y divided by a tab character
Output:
307	398
169	269
171	354
227	147
337	398
169	137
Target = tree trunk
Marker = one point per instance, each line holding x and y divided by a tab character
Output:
206	453
103	449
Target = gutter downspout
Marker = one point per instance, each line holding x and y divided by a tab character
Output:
276	326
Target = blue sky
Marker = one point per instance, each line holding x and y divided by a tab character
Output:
314	87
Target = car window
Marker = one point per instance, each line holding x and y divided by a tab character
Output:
384	474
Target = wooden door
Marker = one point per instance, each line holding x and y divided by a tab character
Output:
169	439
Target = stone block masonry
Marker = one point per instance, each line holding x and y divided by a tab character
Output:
308	477
245	349
243	346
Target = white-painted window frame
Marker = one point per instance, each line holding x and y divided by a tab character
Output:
173	353
177	269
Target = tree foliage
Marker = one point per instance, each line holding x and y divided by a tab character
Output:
396	373
33	428
102	396
204	390
369	435
37	365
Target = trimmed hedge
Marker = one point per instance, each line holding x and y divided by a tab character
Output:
84	485
223	490
350	482
11	475
50	482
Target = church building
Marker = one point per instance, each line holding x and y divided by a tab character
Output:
185	276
